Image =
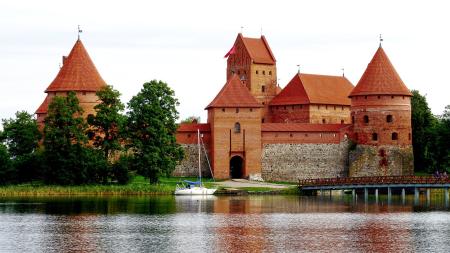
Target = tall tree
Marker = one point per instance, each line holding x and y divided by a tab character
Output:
443	144
64	140
106	125
151	130
423	132
21	134
7	173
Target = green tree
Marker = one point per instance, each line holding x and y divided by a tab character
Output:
443	143
106	125
22	136
424	133
151	130
68	160
191	119
7	173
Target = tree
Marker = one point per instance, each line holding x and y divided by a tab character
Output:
151	130
68	160
22	136
7	173
424	133
443	145
191	119
106	125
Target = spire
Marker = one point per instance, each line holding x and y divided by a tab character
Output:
234	94
78	72
380	78
381	39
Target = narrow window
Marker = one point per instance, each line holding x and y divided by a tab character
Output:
394	136
270	73
262	120
353	119
374	137
409	136
379	97
392	97
189	135
263	103
323	121
326	107
389	118
264	72
223	109
318	107
290	135
301	106
263	88
366	119
293	107
237	127
237	110
335	108
342	121
251	109
257	72
365	97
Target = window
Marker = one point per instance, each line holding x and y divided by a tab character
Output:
223	109
374	137
270	73
409	136
392	97
291	135
326	107
389	118
293	107
251	109
84	93
262	120
189	135
342	121
257	72
379	97
335	108
323	121
263	88
264	72
353	119
237	110
263	103
285	107
237	127
394	136
365	97
366	119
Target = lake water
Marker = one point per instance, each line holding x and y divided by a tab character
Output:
222	224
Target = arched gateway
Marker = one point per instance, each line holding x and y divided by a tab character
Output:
236	167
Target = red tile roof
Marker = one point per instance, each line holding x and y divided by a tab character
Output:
78	73
258	50
234	94
301	127
380	78
189	127
44	106
315	89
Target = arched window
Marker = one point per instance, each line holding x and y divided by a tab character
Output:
237	127
389	118
366	119
394	136
374	137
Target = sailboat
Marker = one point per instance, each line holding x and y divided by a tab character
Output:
197	187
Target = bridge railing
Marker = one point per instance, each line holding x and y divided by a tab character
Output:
373	180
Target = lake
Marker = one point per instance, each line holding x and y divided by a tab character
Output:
263	223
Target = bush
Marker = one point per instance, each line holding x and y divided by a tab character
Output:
121	170
7	172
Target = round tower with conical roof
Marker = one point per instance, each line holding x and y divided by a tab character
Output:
79	74
381	117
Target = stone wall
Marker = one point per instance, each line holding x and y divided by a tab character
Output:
384	160
290	162
188	167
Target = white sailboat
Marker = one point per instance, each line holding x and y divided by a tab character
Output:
195	188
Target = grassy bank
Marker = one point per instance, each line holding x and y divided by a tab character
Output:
137	186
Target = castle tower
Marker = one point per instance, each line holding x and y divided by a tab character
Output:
79	74
235	121
381	116
253	61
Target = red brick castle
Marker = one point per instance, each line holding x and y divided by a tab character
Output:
317	126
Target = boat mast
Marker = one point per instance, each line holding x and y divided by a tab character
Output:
199	155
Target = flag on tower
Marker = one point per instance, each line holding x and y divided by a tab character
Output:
232	51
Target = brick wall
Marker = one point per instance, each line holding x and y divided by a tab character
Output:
290	162
289	114
332	114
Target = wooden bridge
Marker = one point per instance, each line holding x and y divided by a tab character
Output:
403	183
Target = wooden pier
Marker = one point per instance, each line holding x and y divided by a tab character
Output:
401	184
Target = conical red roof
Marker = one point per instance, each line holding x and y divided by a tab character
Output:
78	73
380	78
234	94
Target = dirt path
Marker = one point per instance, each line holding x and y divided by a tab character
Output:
240	183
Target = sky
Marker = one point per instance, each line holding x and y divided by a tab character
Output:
183	43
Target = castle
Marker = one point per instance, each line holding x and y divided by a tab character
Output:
318	126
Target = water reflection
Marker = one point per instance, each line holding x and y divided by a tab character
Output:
222	224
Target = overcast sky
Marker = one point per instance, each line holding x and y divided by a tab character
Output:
183	43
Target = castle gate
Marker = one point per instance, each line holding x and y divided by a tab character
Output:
236	167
